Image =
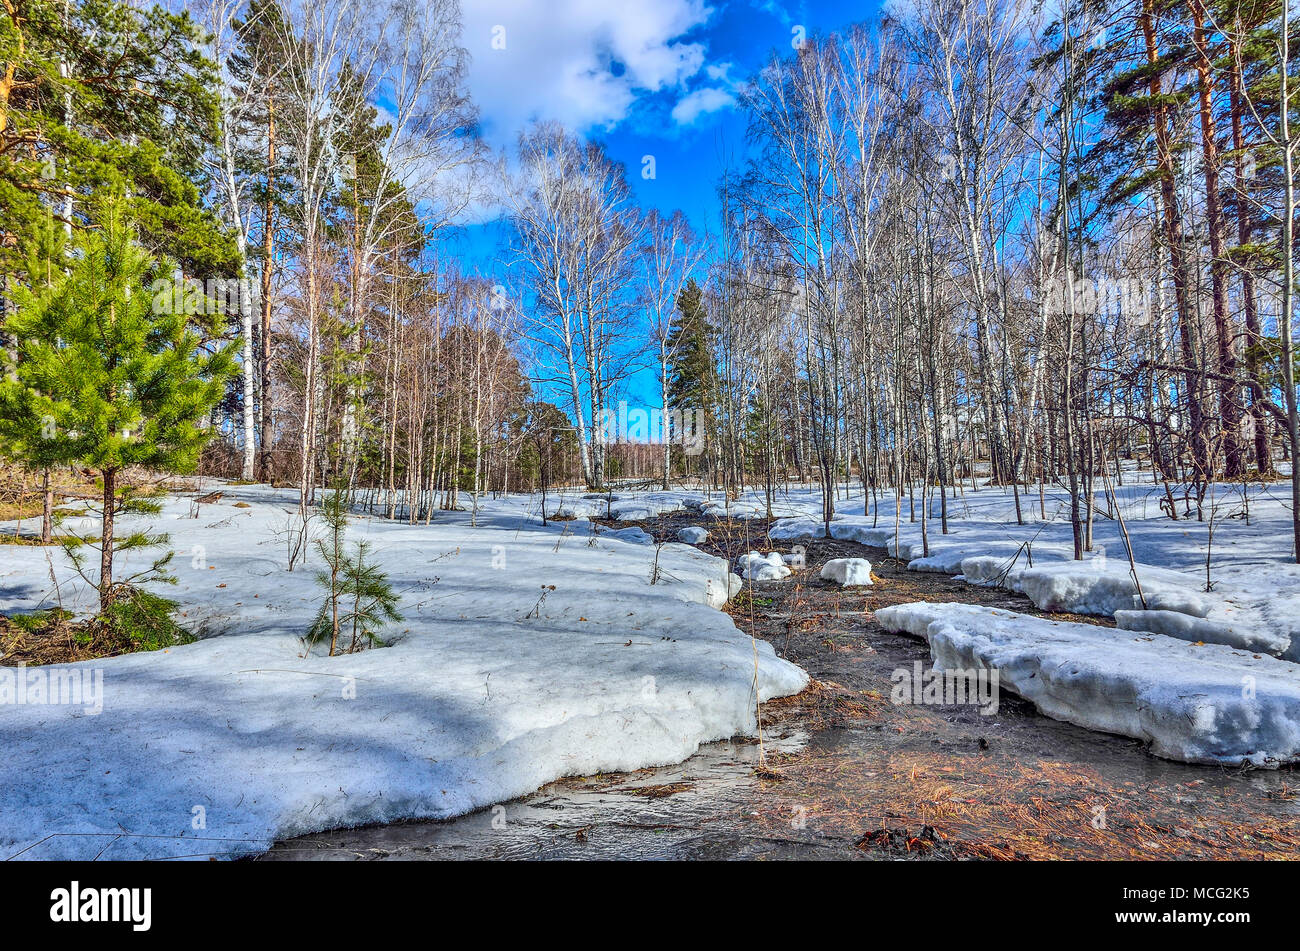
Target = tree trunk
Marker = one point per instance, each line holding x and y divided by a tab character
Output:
47	508
1174	234
1286	343
1230	411
106	540
665	430
268	252
1246	234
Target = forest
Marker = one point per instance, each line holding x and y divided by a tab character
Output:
975	237
662	429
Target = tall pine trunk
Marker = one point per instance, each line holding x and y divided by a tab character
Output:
1175	237
1285	341
1230	409
268	253
1245	235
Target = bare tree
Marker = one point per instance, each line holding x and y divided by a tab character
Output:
577	229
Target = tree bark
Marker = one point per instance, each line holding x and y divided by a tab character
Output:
1245	235
1230	409
268	253
1175	237
47	508
106	540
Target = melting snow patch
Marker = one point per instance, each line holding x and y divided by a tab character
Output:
1102	588
847	571
1198	703
1188	628
755	566
633	535
566	661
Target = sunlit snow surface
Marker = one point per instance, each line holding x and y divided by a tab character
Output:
1255	597
1202	675
496	685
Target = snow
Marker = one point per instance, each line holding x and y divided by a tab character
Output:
853	528
495	683
1189	628
743	509
693	535
1095	587
847	571
1103	589
1206	703
1255	584
756	566
1255	592
1251	610
1254	596
619	507
633	535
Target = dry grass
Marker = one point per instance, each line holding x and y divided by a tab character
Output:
57	641
824	704
989	807
20	491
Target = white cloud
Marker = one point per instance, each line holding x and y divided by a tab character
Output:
701	101
774	8
581	62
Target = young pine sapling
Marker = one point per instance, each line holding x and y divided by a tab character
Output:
359	600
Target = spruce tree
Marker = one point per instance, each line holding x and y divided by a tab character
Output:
692	378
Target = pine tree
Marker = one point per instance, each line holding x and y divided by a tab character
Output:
259	72
359	600
1146	97
109	375
1248	60
43	266
98	96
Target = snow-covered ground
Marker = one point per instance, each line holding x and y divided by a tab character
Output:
1203	675
1254	599
498	683
526	654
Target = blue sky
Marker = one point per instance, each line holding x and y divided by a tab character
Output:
644	77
